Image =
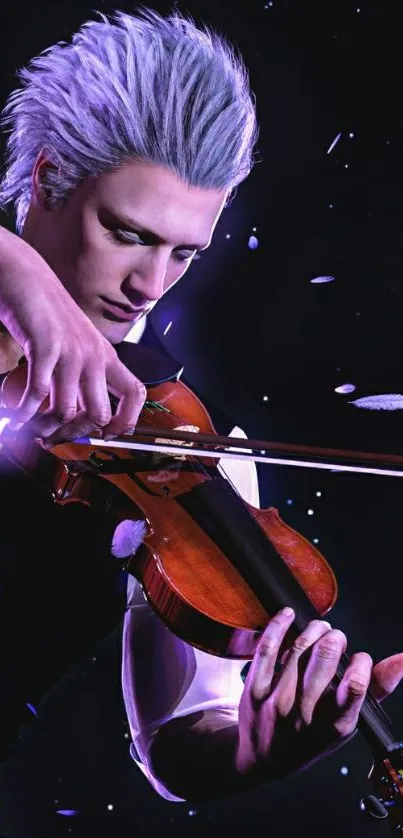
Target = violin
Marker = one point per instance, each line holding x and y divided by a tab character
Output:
214	568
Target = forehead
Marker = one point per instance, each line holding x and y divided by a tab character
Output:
157	197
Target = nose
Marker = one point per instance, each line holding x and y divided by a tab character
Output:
146	283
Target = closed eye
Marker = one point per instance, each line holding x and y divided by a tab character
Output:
127	237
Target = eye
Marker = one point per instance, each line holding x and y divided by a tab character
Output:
125	237
182	258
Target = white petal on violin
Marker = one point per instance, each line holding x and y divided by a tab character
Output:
127	538
385	401
345	388
320	279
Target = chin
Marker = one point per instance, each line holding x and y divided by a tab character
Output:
116	332
113	332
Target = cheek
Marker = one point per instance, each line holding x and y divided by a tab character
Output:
99	262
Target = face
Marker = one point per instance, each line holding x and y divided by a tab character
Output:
122	239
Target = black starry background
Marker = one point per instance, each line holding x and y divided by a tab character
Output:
268	346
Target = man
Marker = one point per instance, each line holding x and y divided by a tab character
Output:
125	147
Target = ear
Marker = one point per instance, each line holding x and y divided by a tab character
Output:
40	192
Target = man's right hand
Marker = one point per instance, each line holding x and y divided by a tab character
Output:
69	360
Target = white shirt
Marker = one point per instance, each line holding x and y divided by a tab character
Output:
164	677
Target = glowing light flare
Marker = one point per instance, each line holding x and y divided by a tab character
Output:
167	328
3	423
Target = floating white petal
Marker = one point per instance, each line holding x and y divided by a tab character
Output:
345	388
332	145
385	401
319	279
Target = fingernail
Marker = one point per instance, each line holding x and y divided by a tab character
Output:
288	612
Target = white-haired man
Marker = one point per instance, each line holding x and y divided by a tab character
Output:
125	146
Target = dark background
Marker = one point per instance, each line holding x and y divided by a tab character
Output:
248	323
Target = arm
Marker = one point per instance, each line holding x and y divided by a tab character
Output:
68	357
286	722
205	746
168	686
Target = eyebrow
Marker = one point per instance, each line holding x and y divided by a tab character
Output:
138	228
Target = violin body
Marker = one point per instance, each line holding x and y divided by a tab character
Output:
187	577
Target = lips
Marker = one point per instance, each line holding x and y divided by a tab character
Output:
121	312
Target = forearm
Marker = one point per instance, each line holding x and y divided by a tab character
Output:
10	351
196	757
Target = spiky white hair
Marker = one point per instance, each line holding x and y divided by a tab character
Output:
132	87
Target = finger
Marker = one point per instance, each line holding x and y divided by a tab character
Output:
320	670
76	429
94	398
63	401
285	682
131	393
351	692
386	675
287	652
94	410
41	364
260	676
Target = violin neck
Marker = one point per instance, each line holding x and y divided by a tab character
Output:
374	724
216	507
